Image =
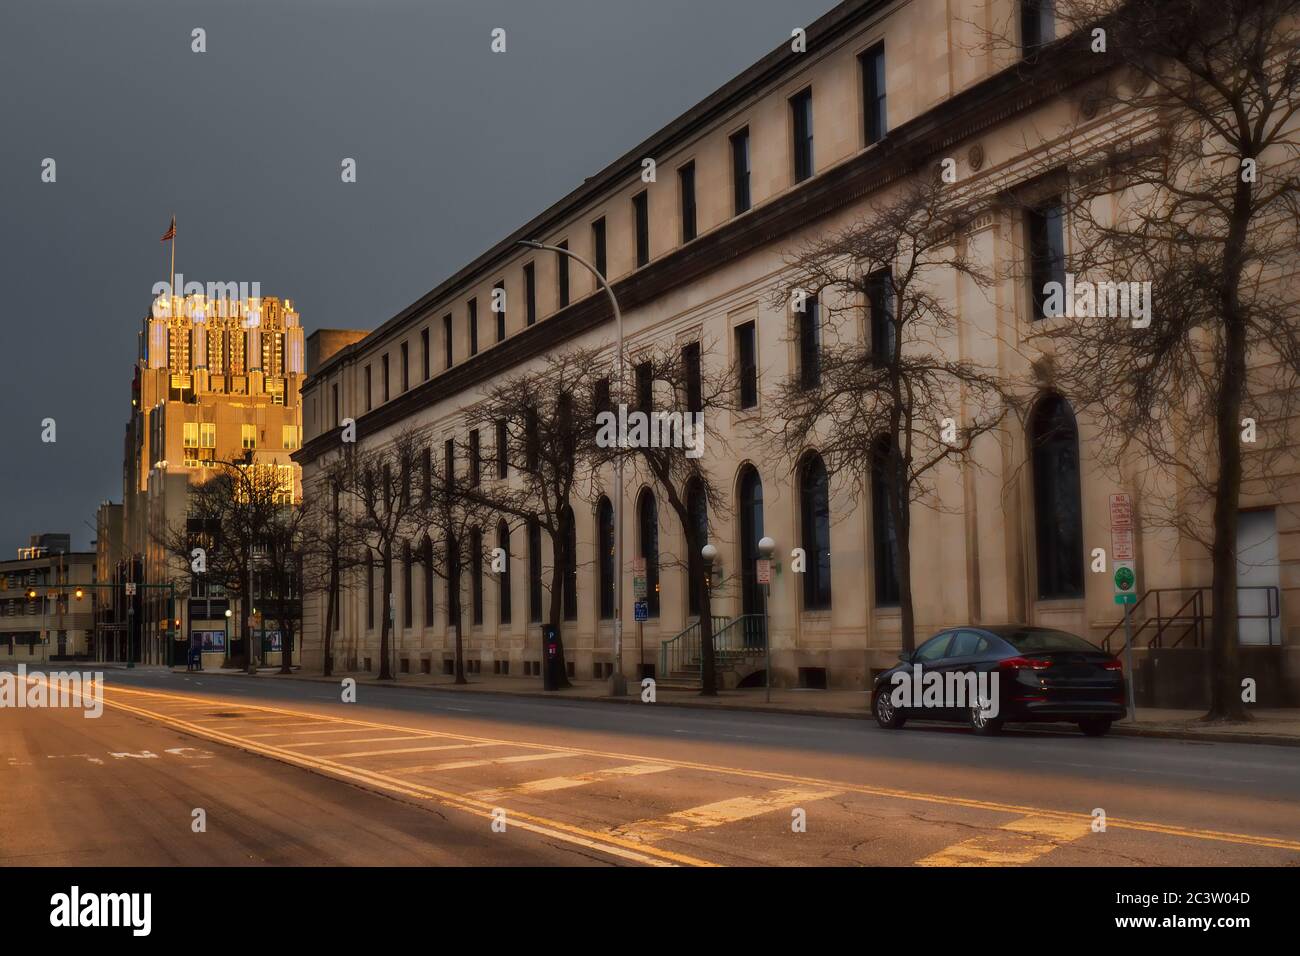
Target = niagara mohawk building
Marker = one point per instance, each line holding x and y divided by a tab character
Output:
796	146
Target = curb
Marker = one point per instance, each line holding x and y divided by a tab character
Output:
1119	730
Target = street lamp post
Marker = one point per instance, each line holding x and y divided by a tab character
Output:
766	547
618	683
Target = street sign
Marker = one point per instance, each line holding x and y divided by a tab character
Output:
1125	582
1121	544
638	579
1121	512
641	611
130	589
764	571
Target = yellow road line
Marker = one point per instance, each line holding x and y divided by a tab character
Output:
554	829
550	784
1244	839
720	813
1012	844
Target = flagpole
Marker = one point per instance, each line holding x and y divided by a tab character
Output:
171	280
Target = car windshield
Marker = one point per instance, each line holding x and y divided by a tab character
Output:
1026	639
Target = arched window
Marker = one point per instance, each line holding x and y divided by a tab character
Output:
751	531
569	534
648	524
884	539
1058	509
697	504
815	532
503	581
605	537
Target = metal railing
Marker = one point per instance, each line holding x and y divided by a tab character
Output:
1188	617
733	639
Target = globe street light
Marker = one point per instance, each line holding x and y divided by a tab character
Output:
766	548
618	683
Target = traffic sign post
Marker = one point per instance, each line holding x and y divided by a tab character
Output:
1124	577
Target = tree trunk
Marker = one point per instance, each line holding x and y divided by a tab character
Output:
286	647
385	670
900	508
699	572
327	641
558	578
454	607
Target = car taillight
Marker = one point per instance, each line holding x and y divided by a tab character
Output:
1113	665
1026	663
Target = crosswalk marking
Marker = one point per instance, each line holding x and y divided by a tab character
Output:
549	784
405	750
304	733
488	762
329	743
1013	844
722	812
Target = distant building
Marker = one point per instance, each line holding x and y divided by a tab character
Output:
47	609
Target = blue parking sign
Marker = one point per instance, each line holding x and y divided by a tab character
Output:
641	611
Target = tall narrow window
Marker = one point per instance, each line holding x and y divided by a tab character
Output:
880	305
648	522
751	532
426	474
475	461
369	390
694	377
503	449
641	216
815	530
383	369
802	116
424	354
534	570
697	506
741	199
747	365
562	273
446	341
645	386
426	560
1045	236
686	186
873	94
449	462
370	590
503	579
476	573
335	391
471	315
810	339
569	539
884	540
1058	505
499	307
530	294
408	617
605	542
598	247
406	367
1037	25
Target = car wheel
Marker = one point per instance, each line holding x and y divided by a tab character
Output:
887	715
982	723
1095	727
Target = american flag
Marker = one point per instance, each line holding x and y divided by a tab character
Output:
171	231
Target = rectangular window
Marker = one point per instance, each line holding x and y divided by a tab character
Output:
747	364
884	542
801	114
208	435
369	390
471	316
383	374
424	354
644	386
499	307
534	571
476	573
1037	25
503	449
810	337
880	305
289	437
641	215
475	463
530	294
408	616
873	93
406	367
598	246
446	340
426	474
190	434
248	435
503	579
740	171
562	274
694	382
1045	228
370	590
449	462
334	392
427	560
686	184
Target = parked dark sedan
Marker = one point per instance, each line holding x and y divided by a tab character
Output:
993	675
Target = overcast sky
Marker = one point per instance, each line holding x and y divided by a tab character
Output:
455	147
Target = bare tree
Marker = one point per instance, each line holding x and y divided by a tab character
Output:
881	385
1182	172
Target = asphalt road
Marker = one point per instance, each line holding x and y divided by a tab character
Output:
286	773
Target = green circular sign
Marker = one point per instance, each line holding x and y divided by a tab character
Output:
1124	579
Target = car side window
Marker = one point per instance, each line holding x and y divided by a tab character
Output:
969	644
932	650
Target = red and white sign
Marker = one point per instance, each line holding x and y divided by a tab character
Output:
764	571
1121	545
1121	512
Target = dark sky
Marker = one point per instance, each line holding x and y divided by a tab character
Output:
455	147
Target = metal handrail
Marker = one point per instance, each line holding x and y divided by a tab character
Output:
1194	621
733	638
678	648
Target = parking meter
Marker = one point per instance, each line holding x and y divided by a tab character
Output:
550	657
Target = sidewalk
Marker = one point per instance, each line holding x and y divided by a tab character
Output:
1271	726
